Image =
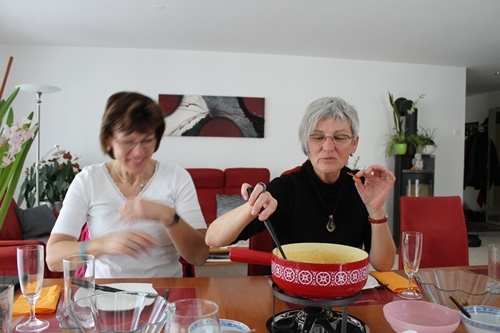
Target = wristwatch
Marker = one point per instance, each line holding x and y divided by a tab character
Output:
175	220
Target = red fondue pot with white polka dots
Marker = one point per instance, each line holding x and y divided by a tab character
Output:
313	270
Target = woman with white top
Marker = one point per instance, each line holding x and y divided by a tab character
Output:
142	215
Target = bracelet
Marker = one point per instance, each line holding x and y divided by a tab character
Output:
382	220
83	250
175	220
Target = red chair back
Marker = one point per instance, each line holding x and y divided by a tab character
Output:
442	221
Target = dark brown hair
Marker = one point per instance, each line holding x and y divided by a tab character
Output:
131	112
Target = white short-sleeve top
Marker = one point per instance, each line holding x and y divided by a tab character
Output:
93	197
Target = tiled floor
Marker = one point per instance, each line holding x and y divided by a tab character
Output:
477	256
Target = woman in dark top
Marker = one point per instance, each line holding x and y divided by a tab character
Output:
323	201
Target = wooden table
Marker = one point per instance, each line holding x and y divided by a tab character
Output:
249	299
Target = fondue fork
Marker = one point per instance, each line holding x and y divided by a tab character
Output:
88	285
270	228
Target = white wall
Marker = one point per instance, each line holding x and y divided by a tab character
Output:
477	108
88	76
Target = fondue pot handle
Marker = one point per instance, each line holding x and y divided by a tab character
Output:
250	256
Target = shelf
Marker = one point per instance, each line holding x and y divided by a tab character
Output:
417	171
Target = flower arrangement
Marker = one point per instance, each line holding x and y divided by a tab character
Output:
401	136
56	174
15	142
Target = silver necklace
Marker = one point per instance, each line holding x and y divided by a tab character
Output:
122	180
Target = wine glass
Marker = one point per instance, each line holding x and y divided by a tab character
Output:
192	315
412	253
30	265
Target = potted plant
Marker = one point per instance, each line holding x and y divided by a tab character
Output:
425	141
398	141
397	144
56	174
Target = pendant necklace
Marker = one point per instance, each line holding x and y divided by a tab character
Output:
330	223
142	185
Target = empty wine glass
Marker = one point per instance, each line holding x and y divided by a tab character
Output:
412	253
30	265
193	316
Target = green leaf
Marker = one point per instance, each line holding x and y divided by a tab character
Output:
5	105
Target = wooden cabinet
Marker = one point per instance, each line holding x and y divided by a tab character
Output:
411	183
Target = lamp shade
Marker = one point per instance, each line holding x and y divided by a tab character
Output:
55	151
37	88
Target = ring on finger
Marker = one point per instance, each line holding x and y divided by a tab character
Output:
263	186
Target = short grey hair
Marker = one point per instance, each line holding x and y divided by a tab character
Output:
327	108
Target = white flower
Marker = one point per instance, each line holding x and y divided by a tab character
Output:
13	138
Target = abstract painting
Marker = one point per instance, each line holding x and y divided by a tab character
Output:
222	116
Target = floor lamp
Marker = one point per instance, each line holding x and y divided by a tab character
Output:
38	89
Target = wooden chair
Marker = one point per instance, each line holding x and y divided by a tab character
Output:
441	219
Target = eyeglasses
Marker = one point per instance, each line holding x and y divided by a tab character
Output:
339	139
129	145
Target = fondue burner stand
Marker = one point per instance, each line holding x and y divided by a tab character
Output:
315	317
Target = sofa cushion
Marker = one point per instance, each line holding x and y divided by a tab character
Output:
208	183
227	202
36	222
235	177
11	229
8	255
